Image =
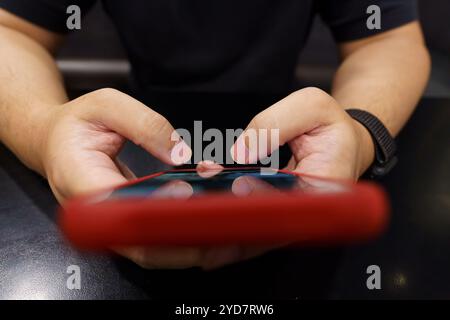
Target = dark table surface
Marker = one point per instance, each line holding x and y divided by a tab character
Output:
414	254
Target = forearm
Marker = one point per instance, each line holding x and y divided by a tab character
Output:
31	86
386	78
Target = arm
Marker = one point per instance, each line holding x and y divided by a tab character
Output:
31	85
51	134
385	75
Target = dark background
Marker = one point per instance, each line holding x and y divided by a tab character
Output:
93	57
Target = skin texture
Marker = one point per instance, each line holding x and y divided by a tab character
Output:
384	74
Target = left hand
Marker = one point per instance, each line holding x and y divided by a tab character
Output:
325	141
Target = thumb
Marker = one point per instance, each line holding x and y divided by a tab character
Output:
138	123
298	113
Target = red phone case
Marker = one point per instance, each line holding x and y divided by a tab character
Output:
222	218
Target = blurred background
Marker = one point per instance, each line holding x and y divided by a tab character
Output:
93	57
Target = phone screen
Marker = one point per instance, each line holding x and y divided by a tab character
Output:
188	183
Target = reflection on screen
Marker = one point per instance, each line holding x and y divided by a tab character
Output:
180	183
186	184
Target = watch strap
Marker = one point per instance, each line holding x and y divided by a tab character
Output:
385	146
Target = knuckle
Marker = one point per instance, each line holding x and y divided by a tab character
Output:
107	93
86	105
103	95
319	99
313	91
315	95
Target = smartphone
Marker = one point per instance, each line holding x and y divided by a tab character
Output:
226	206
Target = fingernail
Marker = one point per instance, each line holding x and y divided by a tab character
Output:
239	151
180	153
208	164
181	190
241	187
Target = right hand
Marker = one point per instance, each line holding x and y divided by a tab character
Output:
84	136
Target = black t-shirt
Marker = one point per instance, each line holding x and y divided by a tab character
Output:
218	45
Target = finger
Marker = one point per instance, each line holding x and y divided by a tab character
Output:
216	257
187	257
138	123
245	185
176	189
163	257
221	256
291	117
249	252
208	168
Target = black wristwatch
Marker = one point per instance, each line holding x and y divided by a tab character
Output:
385	147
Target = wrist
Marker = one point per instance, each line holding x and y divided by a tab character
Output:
40	124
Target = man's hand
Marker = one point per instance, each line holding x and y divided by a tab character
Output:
325	141
84	137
